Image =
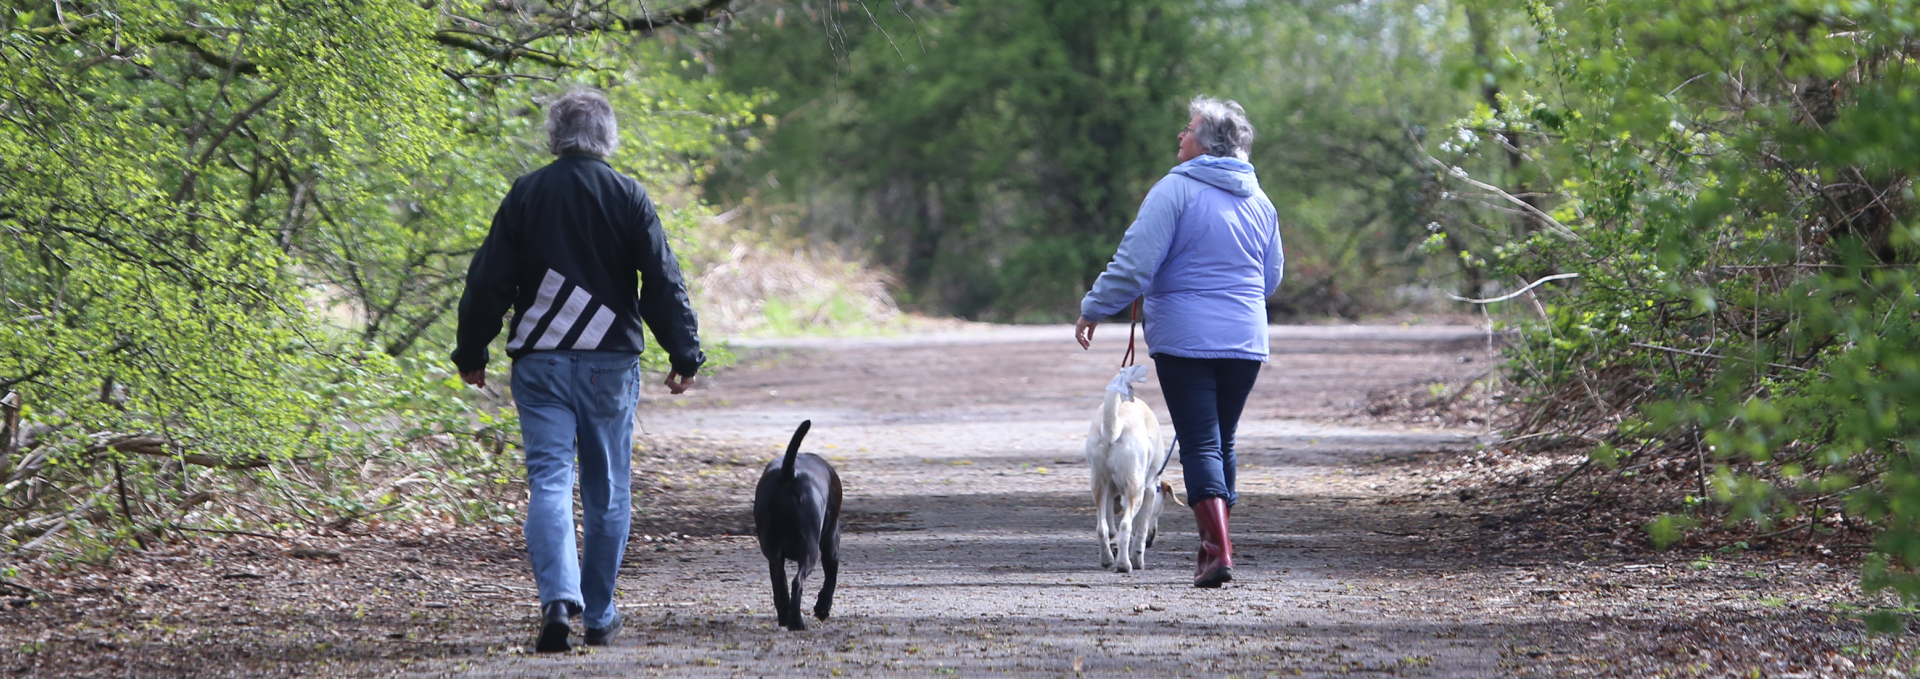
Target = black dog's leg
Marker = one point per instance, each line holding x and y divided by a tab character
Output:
796	621
777	567
829	547
825	605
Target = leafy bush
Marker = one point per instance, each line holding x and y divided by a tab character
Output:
234	232
1734	190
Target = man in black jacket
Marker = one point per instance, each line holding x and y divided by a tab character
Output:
578	253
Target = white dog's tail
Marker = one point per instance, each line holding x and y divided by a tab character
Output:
1120	389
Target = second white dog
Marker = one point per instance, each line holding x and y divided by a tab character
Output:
1125	454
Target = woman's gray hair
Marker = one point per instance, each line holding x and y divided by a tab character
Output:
581	121
1224	130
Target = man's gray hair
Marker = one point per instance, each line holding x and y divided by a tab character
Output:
581	121
1224	130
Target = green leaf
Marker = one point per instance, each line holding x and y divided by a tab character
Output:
1667	529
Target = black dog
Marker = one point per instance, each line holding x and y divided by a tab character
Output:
796	513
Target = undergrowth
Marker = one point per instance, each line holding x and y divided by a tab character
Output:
1735	196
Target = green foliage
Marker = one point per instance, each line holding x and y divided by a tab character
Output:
1606	455
145	283
234	232
1667	529
1342	95
1735	191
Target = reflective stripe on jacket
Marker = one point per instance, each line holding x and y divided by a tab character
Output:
578	253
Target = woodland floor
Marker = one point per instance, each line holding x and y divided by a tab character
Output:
1371	540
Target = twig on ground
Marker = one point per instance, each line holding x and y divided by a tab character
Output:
1576	470
315	553
219	531
347	520
17	588
35	545
1776	533
1700	462
664	604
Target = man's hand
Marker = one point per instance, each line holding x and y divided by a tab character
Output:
677	383
1083	331
476	378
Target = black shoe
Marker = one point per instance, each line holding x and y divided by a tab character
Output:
601	636
554	627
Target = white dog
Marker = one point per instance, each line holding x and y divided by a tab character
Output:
1123	449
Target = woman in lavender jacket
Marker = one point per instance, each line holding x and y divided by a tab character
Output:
1205	253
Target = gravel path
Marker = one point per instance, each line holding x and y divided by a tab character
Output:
971	551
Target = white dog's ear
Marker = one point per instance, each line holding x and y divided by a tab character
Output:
1168	489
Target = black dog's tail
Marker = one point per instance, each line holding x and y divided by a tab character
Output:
793	450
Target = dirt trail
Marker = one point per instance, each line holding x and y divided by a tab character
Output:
1363	547
971	550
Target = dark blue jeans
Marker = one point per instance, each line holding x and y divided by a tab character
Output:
1205	397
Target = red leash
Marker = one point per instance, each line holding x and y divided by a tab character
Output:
1127	360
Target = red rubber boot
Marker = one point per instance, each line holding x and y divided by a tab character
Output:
1216	549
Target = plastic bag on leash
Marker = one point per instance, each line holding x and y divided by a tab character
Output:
1122	383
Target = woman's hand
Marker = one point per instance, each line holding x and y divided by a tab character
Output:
678	383
1083	331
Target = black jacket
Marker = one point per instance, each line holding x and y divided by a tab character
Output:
563	253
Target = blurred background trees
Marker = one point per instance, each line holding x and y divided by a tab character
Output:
990	155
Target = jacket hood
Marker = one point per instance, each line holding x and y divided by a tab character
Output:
1231	175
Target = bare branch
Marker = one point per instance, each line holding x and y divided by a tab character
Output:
502	54
1515	293
152	444
1457	173
64	32
685	16
212	58
1702	354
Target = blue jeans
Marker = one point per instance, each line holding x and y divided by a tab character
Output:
1205	397
578	406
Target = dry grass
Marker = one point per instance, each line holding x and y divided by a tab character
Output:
747	283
